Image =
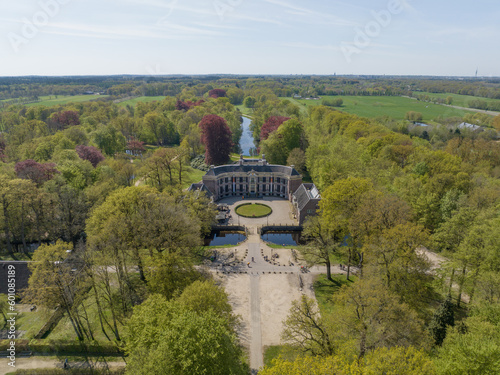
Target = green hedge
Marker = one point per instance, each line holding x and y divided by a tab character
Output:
47	346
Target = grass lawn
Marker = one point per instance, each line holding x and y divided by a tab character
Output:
324	289
28	323
16	256
253	210
458	100
64	330
64	99
192	176
144	99
286	352
244	110
379	106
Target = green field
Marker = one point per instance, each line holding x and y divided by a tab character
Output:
192	176
244	110
458	100
62	99
253	210
144	99
380	106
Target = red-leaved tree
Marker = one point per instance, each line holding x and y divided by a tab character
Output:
216	136
217	93
135	147
36	172
187	105
272	124
90	153
66	118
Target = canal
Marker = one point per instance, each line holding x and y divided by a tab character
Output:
247	144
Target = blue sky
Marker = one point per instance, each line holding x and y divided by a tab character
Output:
401	37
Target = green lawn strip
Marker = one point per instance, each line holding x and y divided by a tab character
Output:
15	257
253	210
63	99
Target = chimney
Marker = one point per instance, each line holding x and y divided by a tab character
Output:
241	159
264	162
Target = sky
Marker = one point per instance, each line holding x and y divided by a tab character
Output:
159	37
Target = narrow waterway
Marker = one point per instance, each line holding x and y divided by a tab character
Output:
246	142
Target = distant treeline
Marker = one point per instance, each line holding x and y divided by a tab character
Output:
281	86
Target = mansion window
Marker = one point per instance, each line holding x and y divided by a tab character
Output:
227	180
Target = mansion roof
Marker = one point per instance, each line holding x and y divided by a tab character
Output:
252	165
305	193
288	171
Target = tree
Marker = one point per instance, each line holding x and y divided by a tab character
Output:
92	154
161	129
202	296
53	284
292	132
272	124
170	273
305	328
397	361
338	102
387	361
135	147
274	148
109	140
472	348
133	219
321	243
180	341
338	203
443	318
449	100
66	118
36	172
371	315
249	102
496	122
404	271
217	93
297	158
413	116
235	95
216	136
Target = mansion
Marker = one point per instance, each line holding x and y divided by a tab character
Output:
255	178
